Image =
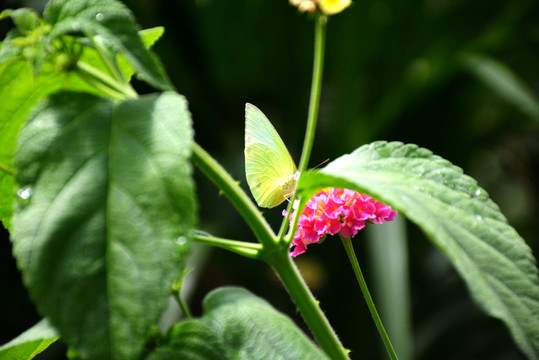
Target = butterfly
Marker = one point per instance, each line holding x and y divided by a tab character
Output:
270	170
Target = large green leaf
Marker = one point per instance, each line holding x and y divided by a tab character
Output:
30	343
460	219
19	92
105	191
21	89
113	23
237	325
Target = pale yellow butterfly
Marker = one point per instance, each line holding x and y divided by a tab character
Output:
269	168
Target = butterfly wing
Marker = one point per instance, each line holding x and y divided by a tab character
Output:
269	168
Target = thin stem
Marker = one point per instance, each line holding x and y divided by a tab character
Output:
314	105
183	305
308	306
368	299
316	89
250	250
231	189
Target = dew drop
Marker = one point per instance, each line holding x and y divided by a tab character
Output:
25	193
477	193
182	241
99	16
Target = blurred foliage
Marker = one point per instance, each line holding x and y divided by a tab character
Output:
394	71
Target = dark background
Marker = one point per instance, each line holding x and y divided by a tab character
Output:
393	71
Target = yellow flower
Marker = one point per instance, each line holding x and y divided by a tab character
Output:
330	7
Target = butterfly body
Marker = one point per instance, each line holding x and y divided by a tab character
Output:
269	168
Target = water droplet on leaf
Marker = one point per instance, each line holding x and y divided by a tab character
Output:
99	16
182	241
25	193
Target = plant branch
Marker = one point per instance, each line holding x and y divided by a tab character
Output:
250	250
231	189
183	305
307	306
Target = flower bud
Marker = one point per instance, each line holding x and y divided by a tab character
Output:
331	7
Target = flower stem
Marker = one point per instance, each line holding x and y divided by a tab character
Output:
368	299
316	89
314	105
307	305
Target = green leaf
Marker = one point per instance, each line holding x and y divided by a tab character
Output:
503	81
20	90
8	50
237	325
106	191
460	219
26	20
114	23
7	194
30	343
149	38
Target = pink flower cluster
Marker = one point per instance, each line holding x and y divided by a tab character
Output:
334	210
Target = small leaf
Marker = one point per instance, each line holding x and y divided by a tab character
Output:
237	325
30	343
8	50
149	38
113	22
109	192
26	20
460	219
503	81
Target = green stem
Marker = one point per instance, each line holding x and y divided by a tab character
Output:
273	253
308	306
316	89
368	299
250	250
231	189
183	305
314	105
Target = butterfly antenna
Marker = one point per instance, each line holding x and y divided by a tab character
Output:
322	163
